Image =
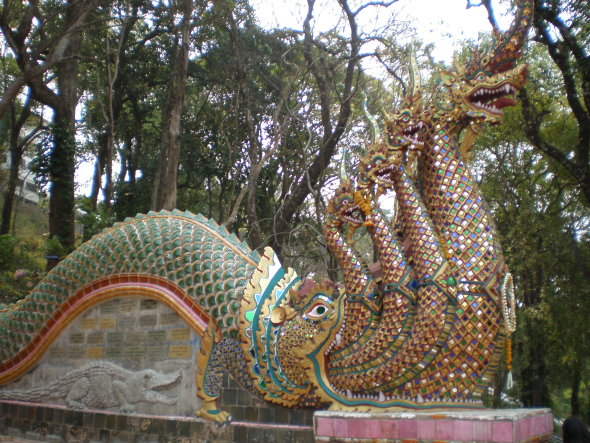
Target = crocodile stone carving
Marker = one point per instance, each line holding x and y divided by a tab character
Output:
103	385
428	333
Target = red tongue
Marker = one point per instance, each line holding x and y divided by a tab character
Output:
503	102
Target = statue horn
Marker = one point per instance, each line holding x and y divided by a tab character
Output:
375	131
415	80
343	171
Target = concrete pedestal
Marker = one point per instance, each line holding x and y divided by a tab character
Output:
486	425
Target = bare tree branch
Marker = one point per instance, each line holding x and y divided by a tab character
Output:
490	10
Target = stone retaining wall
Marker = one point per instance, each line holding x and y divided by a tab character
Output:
57	424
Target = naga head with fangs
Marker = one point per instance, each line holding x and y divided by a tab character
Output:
479	89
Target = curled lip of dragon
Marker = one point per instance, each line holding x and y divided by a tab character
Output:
427	333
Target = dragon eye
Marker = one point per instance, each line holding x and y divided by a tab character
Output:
406	118
481	77
317	311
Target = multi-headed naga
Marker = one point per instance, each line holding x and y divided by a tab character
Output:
427	333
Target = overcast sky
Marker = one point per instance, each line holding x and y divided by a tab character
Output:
442	22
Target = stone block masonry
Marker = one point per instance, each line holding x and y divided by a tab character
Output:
119	340
58	424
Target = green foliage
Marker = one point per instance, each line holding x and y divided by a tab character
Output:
544	233
29	252
39	165
54	247
16	285
22	260
93	221
7	243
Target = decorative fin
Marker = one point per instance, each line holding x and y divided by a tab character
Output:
267	288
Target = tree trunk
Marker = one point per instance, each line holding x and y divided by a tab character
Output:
16	148
10	192
576	384
164	191
63	102
62	166
99	165
63	156
533	374
254	233
16	155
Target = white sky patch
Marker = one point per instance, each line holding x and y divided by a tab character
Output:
442	22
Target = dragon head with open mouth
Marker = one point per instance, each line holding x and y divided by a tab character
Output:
480	98
480	88
343	208
376	166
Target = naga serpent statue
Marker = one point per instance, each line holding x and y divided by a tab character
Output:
427	333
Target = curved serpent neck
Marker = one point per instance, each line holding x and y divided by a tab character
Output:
394	268
467	231
386	369
361	314
398	299
457	207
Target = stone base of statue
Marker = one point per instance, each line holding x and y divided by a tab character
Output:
485	425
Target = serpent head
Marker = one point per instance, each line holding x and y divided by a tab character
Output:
376	166
407	131
478	97
308	331
486	83
342	207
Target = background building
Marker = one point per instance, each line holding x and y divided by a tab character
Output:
26	189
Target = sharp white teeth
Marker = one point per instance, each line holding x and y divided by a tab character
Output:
381	397
338	339
349	394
